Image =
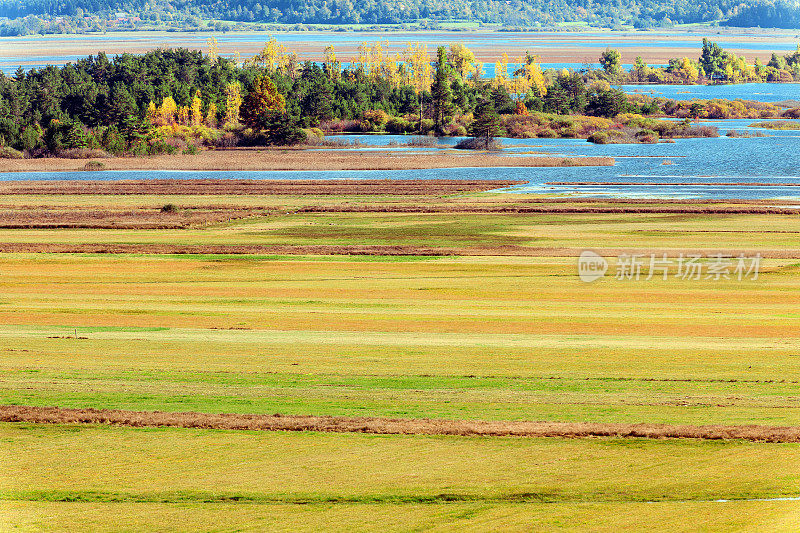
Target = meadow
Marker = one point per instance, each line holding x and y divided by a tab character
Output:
422	303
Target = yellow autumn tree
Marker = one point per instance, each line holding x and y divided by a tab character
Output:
529	77
211	115
501	72
195	109
233	102
166	112
462	60
270	57
152	113
184	116
419	66
213	48
332	66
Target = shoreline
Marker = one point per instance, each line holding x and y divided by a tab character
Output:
293	159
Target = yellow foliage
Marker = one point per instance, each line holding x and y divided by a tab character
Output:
196	113
166	112
271	56
183	116
211	115
462	60
419	66
233	102
213	48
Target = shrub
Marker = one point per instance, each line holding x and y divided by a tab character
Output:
547	133
169	208
647	136
312	133
599	137
6	152
399	125
94	166
477	143
377	118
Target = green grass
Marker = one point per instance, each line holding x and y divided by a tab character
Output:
466	337
493	338
128	464
98	478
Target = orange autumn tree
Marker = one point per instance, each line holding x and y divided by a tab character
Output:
261	103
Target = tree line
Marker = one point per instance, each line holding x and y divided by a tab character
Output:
169	100
515	13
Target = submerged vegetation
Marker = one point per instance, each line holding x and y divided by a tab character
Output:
179	101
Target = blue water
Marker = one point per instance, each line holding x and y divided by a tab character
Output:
639	171
760	92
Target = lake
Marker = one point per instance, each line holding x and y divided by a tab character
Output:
687	168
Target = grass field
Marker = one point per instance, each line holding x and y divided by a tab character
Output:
477	334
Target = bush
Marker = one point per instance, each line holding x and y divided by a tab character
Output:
94	166
547	133
399	125
477	143
6	152
647	136
313	133
598	137
169	208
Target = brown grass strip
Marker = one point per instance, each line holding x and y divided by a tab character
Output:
365	250
280	159
27	217
391	426
252	187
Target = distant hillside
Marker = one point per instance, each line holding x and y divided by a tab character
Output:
91	14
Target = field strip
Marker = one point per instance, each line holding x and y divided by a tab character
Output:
392	426
371	250
389	338
254	187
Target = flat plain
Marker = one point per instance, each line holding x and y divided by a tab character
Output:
427	303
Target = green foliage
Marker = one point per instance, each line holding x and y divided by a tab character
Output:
6	152
611	61
100	15
487	122
441	91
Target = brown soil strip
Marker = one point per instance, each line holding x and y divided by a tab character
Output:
391	426
365	250
300	159
252	187
49	218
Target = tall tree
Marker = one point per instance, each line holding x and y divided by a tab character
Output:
611	61
442	95
261	103
487	124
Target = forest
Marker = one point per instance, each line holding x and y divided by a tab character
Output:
166	101
68	16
